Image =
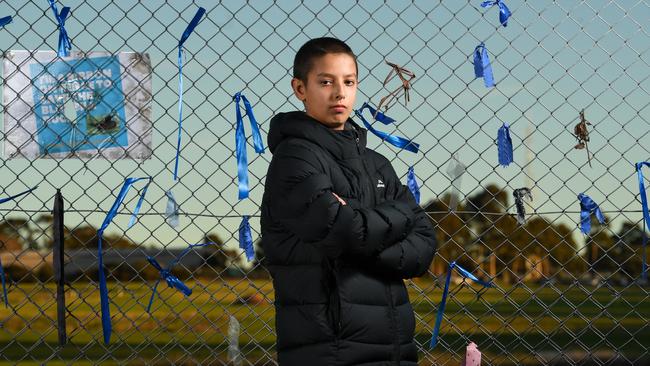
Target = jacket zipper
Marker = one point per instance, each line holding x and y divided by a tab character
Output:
393	321
370	182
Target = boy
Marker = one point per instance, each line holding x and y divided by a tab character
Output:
339	230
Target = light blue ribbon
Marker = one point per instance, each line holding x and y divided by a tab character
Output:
646	216
482	66
165	274
587	206
5	20
103	288
240	142
64	42
441	308
504	145
2	271
504	12
246	239
171	211
396	141
412	183
186	34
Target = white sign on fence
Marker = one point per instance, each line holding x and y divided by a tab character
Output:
94	104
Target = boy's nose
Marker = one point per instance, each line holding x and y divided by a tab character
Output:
339	93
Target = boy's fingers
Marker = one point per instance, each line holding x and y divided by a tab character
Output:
339	199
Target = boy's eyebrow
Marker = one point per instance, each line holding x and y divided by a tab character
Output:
331	75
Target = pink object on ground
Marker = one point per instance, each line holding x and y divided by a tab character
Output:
472	356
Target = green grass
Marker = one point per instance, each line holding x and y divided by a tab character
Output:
507	324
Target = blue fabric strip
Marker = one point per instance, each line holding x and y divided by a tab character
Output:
240	142
504	145
482	66
377	115
4	285
190	27
165	274
246	239
412	183
2	271
5	20
441	308
64	42
587	206
504	12
396	141
103	288
646	216
11	198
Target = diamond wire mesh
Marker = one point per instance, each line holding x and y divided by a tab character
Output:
561	297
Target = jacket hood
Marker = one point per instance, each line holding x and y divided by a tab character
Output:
342	144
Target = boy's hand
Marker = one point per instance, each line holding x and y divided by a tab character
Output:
339	199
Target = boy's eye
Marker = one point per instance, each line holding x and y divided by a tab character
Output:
326	82
350	82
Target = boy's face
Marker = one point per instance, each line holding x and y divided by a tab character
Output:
330	89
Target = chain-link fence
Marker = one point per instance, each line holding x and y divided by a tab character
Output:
560	296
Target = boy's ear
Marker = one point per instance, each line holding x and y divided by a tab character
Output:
298	89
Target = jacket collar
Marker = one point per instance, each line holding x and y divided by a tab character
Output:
349	143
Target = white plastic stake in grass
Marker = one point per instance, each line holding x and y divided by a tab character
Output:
234	355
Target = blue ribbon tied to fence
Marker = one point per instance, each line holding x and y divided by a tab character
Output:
441	308
190	28
646	216
587	207
103	288
396	141
504	145
64	42
504	12
2	271
240	142
165	274
5	20
246	239
482	66
412	183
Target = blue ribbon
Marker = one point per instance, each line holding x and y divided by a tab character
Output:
396	141
246	239
646	216
412	183
186	34
482	67
64	42
587	206
165	274
4	285
2	271
5	20
377	115
504	145
441	309
103	288
240	142
504	12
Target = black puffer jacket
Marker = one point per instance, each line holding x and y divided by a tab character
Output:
337	269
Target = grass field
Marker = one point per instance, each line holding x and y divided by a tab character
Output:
508	324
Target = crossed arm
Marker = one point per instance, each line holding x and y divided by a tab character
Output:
396	233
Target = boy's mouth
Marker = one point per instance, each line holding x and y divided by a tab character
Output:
339	108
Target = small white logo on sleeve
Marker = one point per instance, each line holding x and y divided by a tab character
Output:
380	184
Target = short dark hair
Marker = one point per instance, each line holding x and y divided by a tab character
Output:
318	47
